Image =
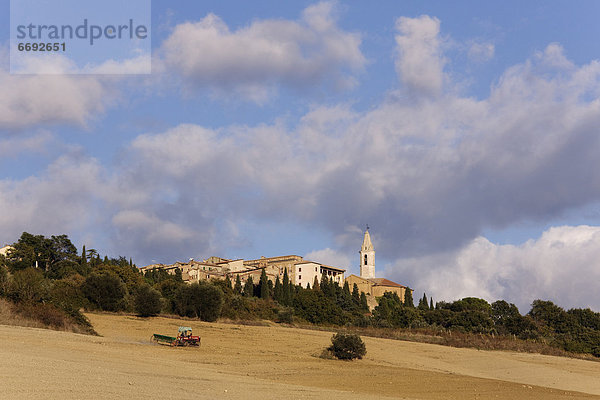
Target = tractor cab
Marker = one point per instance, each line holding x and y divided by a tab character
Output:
184	332
185	337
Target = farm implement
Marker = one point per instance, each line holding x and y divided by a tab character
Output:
184	338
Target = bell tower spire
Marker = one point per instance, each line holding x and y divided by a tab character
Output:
367	257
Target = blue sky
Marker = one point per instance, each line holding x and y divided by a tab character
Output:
464	133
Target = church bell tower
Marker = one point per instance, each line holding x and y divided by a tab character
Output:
367	257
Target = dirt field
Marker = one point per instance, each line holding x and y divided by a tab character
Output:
250	362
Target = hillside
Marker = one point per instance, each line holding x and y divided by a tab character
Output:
268	362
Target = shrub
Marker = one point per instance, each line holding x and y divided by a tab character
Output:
29	285
347	346
147	302
285	315
202	300
4	280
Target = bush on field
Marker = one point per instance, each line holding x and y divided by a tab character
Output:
202	300
347	346
147	302
285	315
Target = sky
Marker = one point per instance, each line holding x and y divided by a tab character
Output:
465	134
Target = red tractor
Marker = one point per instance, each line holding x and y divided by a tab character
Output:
184	338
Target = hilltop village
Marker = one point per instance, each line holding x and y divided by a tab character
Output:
301	272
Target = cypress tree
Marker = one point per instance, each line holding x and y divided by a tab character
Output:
408	299
228	282
423	303
325	285
237	289
264	286
345	297
285	289
363	302
83	257
431	307
355	295
316	285
277	290
333	289
249	287
346	290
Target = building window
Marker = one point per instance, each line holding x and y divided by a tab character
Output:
365	259
299	277
315	269
300	269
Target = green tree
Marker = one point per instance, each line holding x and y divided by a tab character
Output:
286	295
202	300
106	291
345	298
237	289
147	301
316	286
423	303
277	290
356	295
364	306
4	280
324	285
347	346
249	287
39	251
84	257
29	286
408	298
264	286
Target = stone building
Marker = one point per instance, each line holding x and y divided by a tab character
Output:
4	250
300	271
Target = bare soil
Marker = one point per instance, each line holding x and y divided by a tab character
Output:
268	362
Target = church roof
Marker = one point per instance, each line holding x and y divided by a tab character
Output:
367	245
385	282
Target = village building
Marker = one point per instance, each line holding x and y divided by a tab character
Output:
300	271
4	250
366	282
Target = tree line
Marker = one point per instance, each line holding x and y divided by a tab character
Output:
66	281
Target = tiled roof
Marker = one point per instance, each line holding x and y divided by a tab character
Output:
385	282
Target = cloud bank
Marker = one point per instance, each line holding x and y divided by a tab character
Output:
562	266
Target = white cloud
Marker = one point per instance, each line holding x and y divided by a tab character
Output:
254	60
420	62
132	66
481	51
59	200
563	266
35	143
329	257
29	100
